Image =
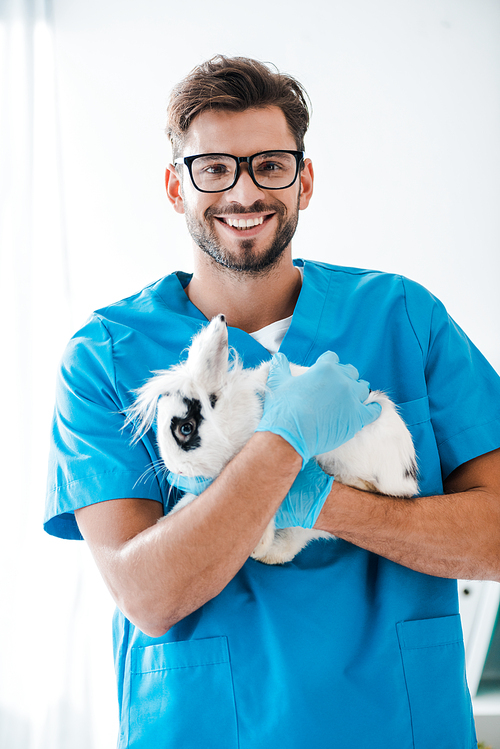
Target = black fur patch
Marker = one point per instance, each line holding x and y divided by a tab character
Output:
192	419
412	473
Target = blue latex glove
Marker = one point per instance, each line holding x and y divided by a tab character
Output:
306	497
320	409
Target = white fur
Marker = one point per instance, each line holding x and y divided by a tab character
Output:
380	458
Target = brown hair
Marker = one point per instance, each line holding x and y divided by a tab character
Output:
235	84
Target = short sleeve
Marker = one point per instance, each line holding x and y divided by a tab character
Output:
463	388
91	456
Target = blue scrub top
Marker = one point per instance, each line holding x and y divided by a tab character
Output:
339	647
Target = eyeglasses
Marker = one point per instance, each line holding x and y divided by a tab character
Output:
217	172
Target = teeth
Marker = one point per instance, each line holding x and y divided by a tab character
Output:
242	223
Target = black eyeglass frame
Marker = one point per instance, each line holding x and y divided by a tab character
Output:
188	161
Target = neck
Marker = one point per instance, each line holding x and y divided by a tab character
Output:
249	301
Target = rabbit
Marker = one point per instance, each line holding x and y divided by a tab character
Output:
207	408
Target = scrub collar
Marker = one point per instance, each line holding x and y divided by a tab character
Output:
192	484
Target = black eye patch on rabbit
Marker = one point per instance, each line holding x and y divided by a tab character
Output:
185	428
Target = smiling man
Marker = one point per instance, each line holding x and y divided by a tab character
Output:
357	641
242	211
260	231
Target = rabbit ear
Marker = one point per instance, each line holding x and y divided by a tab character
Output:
205	370
208	356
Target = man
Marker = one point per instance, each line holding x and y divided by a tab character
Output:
358	640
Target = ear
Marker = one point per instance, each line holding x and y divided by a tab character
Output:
174	188
306	184
208	356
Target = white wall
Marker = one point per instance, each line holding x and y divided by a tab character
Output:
405	137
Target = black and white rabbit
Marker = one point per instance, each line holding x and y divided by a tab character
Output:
208	407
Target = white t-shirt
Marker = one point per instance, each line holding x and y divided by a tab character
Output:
272	335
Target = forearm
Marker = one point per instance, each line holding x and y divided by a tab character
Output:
171	568
452	535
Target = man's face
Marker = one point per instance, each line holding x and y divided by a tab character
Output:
272	213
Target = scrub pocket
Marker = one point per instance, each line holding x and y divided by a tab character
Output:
417	417
433	657
181	695
415	412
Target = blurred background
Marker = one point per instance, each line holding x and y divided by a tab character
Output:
405	141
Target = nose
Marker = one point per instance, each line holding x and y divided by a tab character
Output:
245	191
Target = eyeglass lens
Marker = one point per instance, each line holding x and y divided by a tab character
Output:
214	172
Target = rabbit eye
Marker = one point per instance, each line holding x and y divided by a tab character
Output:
184	429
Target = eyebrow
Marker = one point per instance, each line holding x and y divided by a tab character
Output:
278	152
270	152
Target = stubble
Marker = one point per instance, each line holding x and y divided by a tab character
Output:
245	260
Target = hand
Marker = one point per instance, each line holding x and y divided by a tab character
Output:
306	498
318	410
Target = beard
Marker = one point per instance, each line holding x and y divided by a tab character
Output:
245	260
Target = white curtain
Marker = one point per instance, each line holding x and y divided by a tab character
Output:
56	682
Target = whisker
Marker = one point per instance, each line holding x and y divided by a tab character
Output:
157	469
143	477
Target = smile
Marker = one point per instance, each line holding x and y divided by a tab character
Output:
243	224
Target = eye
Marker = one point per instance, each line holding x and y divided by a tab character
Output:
270	166
187	428
217	169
